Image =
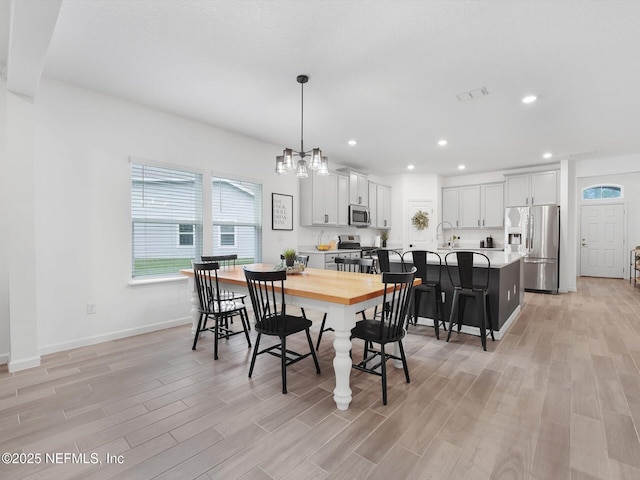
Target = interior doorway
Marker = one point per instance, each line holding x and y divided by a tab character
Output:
602	241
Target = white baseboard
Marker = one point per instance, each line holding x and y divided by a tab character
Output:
4	358
105	337
498	334
17	365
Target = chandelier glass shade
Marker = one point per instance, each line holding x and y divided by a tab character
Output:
316	161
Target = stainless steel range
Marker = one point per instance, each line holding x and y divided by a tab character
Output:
352	242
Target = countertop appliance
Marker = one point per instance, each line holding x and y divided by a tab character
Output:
359	216
534	232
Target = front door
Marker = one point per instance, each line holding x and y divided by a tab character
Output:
601	242
421	239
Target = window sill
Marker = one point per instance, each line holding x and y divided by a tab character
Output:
153	281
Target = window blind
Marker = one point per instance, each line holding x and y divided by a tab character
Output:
166	219
237	219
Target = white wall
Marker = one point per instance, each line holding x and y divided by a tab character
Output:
4	229
83	143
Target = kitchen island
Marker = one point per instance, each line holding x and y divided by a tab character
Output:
505	292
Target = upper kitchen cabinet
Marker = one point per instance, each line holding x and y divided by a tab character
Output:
469	206
380	205
358	189
536	188
450	206
383	206
492	205
473	206
319	197
343	201
373	200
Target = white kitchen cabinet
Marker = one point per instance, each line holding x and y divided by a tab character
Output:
319	200
343	200
544	187
474	206
492	205
469	206
450	206
383	206
358	189
536	188
373	203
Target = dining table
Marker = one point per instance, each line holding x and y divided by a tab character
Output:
340	294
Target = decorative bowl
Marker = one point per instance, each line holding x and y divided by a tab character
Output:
294	270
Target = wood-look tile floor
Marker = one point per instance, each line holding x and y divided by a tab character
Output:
557	398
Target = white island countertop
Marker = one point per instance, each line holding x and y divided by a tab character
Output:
498	259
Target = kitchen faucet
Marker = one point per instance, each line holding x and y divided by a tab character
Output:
444	239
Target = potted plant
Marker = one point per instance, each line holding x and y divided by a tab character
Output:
289	256
384	236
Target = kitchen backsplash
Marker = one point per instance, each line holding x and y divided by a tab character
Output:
468	238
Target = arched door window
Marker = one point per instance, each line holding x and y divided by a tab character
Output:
602	192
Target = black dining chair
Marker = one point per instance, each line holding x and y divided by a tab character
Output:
390	328
266	290
385	257
429	270
346	264
469	275
213	306
225	261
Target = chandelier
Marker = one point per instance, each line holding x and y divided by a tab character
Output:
317	162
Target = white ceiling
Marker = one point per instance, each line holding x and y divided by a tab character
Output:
383	72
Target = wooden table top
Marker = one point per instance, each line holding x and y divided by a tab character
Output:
326	285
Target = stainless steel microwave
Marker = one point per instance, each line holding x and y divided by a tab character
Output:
359	216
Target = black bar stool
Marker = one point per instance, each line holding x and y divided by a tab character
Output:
429	269
469	281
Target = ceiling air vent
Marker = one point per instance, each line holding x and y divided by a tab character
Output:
473	94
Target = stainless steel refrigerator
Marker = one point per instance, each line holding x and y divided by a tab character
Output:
534	232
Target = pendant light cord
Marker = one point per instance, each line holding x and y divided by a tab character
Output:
302	119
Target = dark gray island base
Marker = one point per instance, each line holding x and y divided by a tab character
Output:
505	295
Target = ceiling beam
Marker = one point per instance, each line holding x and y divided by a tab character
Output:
30	30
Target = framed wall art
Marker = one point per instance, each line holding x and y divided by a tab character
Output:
281	211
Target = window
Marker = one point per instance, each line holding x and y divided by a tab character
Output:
227	236
186	234
164	202
237	219
601	192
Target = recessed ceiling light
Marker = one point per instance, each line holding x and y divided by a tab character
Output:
547	155
411	167
352	142
442	142
461	167
529	99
